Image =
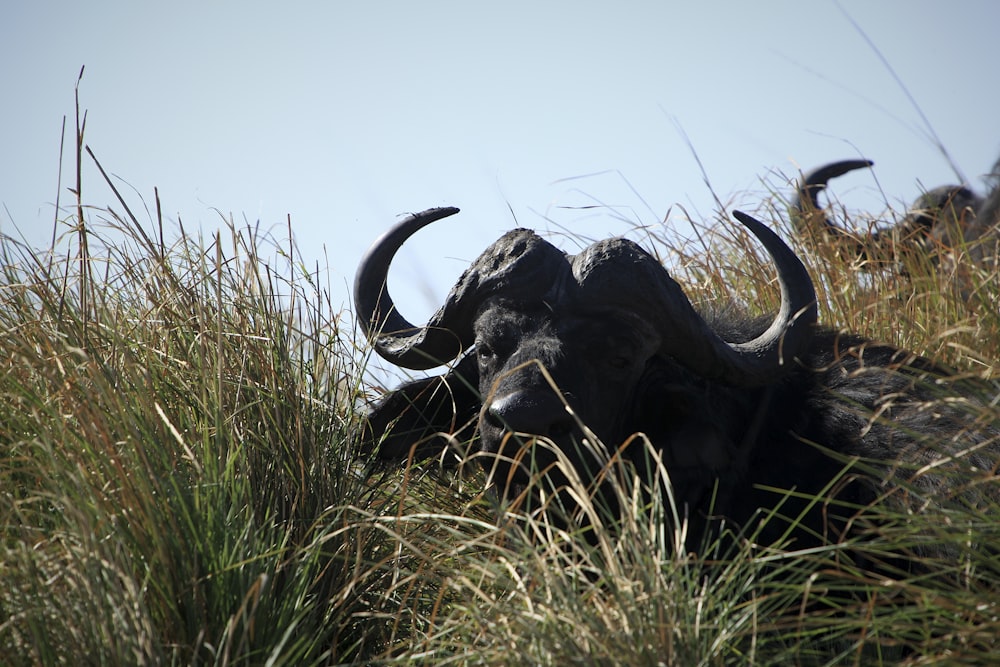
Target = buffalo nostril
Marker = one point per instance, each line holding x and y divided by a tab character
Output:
536	412
493	418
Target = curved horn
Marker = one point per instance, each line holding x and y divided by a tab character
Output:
518	265
816	181
805	205
621	274
791	330
396	339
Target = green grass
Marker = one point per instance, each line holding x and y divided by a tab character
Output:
179	484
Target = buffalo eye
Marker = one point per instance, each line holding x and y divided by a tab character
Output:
484	352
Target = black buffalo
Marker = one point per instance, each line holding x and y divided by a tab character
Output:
736	407
939	221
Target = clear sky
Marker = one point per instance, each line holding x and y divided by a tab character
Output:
345	114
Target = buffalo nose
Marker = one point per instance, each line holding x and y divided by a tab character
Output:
537	412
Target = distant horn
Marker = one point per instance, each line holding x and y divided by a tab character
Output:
807	213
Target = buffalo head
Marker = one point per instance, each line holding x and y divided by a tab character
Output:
938	220
549	342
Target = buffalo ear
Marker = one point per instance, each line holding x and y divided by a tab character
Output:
412	419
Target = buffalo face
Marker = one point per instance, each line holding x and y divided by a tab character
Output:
543	371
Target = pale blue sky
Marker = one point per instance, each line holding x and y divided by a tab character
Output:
346	114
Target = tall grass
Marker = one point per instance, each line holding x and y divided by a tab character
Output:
179	484
175	454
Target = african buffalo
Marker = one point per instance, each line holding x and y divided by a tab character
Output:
939	221
737	407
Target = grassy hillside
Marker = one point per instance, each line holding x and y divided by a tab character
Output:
179	485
